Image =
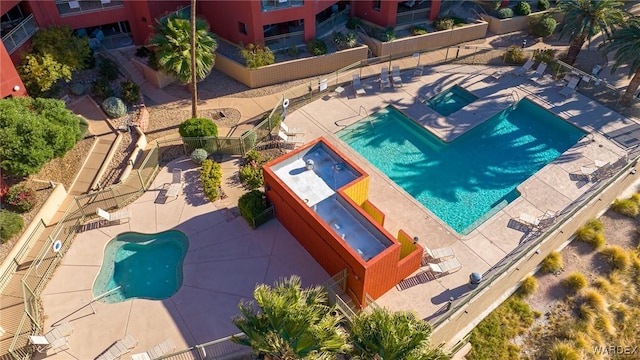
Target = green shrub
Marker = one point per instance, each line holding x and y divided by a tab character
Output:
292	51
21	198
10	224
552	263
514	55
387	34
256	56
77	89
345	41
199	155
545	27
153	61
635	198
616	256
352	23
143	52
198	127
317	47
114	107
544	55
595	224
418	30
251	205
130	92
505	13
108	69
102	89
251	176
40	73
563	351
211	177
523	8
626	207
591	233
528	286
253	156
543	5
444	23
594	299
575	282
598	241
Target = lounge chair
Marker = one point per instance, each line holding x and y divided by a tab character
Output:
497	75
291	131
157	351
571	86
537	75
418	70
529	221
108	217
440	253
176	184
395	76
56	339
384	78
357	86
120	348
524	69
289	140
547	219
446	267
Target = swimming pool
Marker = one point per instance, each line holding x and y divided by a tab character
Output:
463	182
451	100
146	266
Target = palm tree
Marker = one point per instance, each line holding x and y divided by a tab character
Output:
290	323
194	78
625	41
173	41
583	19
384	335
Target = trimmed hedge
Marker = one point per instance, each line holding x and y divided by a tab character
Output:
545	28
317	47
211	177
21	198
10	224
251	205
523	8
444	23
514	55
505	13
418	30
543	5
198	127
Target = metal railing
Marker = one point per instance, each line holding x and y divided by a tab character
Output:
262	218
284	41
326	27
413	16
269	5
77	7
20	34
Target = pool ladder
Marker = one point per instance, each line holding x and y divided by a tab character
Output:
515	97
366	113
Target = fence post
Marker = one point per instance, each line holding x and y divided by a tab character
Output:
202	354
144	187
113	194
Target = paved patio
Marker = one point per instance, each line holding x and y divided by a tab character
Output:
226	259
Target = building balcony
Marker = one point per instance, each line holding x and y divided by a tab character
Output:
335	20
76	7
19	34
413	12
270	5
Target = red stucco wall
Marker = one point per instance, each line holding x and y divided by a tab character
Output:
9	76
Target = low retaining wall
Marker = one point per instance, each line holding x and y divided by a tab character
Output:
136	154
517	23
420	43
157	78
289	70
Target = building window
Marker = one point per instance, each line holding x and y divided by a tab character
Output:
242	27
377	4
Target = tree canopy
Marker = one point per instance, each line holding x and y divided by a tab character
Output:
33	132
625	43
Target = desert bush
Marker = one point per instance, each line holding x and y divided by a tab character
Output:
608	288
352	23
528	286
130	92
211	177
256	56
77	89
563	351
505	13
317	47
10	224
251	176
635	198
587	313
345	41
198	127
444	23
108	69
626	207
543	5
575	282
251	205
143	52
199	155
595	224
21	198
591	233
523	8
153	61
418	30
114	107
595	300
545	27
292	51
616	256
253	156
514	55
384	35
102	89
544	55
552	263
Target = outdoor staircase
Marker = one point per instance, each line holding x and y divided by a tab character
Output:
129	69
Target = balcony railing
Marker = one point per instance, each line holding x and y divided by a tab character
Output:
284	41
269	5
413	16
328	26
20	34
76	7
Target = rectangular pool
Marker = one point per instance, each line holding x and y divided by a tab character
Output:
463	182
451	100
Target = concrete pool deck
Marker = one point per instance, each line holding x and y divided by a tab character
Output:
226	259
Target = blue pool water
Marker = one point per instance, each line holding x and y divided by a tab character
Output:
146	266
467	180
451	100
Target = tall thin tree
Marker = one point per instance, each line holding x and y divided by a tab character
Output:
194	87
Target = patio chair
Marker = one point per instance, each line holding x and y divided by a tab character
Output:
440	253
547	219
496	75
108	217
357	86
291	131
120	348
537	75
176	184
289	140
395	76
571	86
157	351
418	70
384	78
529	221
56	338
602	171
524	69
446	267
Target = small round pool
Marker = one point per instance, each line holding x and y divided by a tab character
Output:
141	266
